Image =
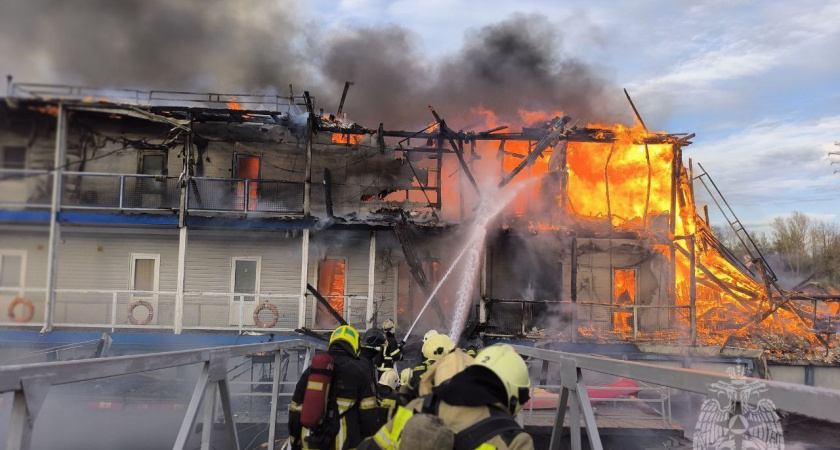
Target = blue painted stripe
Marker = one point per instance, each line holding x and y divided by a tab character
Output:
110	218
24	216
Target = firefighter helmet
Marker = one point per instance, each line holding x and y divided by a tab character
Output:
405	376
437	346
512	371
347	334
388	325
390	378
374	338
429	334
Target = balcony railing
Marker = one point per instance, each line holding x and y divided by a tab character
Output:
207	311
106	191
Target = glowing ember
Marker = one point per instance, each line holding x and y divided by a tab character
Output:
346	138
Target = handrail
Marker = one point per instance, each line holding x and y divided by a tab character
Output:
64	372
815	402
30	384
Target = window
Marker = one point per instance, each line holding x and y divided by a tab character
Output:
144	272
13	157
624	294
244	279
152	163
247	167
332	285
12	266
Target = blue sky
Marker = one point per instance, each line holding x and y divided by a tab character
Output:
757	81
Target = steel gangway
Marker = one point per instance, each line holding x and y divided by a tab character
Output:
30	385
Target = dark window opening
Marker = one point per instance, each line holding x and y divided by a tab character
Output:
13	157
152	163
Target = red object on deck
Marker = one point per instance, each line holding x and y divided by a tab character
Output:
596	393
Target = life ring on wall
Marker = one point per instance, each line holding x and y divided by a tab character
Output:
274	312
146	305
28	313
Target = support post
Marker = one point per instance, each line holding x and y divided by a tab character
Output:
26	403
304	277
113	311
370	312
192	408
574	289
182	278
307	182
692	283
55	228
209	412
482	299
227	409
275	392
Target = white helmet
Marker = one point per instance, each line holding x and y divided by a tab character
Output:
390	378
429	334
512	371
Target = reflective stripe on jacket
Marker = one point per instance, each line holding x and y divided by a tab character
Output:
457	418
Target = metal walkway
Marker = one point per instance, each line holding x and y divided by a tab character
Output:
31	383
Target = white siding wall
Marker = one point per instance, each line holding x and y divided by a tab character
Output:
34	243
99	259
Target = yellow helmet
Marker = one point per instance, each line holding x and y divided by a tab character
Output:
405	376
511	369
388	325
429	334
390	378
437	346
347	334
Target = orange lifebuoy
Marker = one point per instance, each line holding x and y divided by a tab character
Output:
145	304
28	313
273	321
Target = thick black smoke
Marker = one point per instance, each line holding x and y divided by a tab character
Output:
236	46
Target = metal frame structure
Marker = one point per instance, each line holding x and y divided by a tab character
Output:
818	403
30	384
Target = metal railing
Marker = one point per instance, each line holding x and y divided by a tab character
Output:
108	191
235	195
30	385
817	403
156	310
25	188
598	320
154	97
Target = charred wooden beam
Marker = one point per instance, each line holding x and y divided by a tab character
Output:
328	192
635	111
338	112
556	128
325	304
309	106
444	129
415	266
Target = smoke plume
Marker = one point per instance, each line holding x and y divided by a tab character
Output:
232	46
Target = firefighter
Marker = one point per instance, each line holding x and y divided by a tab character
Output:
474	409
373	345
388	395
393	350
434	348
350	412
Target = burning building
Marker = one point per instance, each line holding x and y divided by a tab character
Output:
175	212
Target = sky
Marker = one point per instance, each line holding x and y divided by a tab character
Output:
757	81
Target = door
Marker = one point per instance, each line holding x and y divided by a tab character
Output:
144	275
248	168
332	285
244	279
624	294
12	280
